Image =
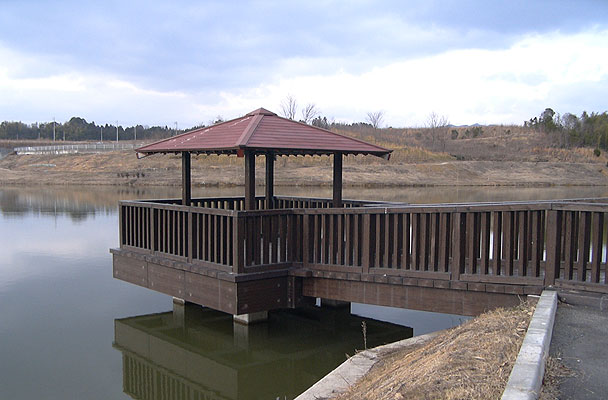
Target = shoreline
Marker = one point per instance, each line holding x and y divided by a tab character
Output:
122	169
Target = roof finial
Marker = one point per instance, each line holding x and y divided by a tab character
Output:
260	111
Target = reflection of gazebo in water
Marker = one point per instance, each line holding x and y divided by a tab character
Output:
262	132
201	353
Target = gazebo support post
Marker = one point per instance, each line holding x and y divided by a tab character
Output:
249	180
186	179
337	184
270	180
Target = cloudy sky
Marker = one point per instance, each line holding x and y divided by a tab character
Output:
157	62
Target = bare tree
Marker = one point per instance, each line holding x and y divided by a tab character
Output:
289	107
309	113
375	118
438	128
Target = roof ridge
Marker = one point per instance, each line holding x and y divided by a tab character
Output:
248	132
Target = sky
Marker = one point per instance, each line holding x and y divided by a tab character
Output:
161	62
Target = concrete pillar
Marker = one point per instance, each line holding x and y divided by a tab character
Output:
240	334
251	318
182	310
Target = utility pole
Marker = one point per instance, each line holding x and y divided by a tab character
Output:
175	128
135	132
101	133
53	129
116	131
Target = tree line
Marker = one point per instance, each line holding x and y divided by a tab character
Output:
78	129
568	130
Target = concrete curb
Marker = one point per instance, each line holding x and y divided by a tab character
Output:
527	375
351	370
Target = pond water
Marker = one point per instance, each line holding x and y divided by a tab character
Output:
69	330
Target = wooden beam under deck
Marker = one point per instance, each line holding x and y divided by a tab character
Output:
220	291
434	299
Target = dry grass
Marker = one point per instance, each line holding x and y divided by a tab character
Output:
471	361
555	373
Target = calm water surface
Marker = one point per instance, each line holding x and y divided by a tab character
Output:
69	330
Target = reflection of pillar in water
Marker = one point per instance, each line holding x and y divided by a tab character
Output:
181	311
240	335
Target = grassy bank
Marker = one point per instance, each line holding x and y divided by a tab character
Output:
471	361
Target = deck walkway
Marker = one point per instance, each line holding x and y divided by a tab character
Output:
452	258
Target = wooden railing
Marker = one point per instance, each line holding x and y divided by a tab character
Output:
577	240
192	234
515	243
280	202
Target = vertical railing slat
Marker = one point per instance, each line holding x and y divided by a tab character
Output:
583	245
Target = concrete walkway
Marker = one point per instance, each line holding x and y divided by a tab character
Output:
580	339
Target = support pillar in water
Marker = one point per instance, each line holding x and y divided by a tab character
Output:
251	318
181	310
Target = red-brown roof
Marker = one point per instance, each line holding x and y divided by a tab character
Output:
263	131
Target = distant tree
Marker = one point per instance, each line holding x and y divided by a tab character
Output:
375	119
546	120
569	121
321	122
438	128
289	107
309	113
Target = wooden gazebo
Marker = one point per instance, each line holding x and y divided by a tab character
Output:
262	132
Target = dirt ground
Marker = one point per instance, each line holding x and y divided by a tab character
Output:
123	168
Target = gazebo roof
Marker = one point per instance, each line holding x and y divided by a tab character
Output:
262	131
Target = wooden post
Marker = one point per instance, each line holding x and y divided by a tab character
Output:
554	251
337	203
249	180
238	249
308	240
269	180
458	245
365	244
186	179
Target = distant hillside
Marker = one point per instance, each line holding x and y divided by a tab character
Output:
474	143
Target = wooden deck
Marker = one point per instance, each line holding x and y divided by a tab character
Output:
453	258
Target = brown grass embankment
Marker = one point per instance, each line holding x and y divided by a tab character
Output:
471	361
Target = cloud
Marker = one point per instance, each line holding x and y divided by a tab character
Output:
469	85
472	85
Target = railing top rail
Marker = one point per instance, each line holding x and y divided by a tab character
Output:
178	207
579	206
593	204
